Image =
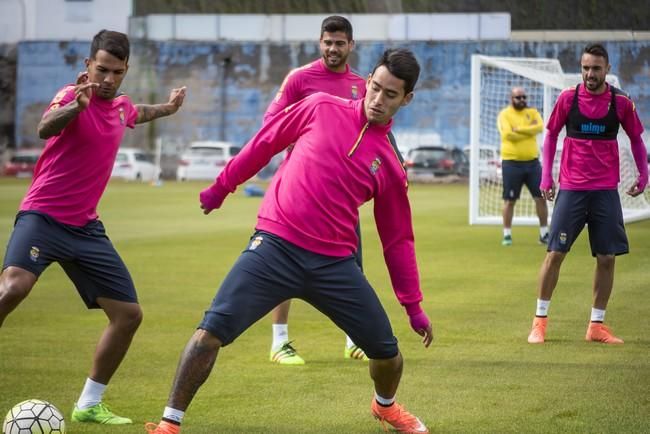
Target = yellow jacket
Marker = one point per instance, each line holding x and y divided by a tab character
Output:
518	129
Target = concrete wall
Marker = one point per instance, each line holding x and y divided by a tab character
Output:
300	27
255	71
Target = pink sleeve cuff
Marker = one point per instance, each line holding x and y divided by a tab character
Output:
210	198
419	321
413	308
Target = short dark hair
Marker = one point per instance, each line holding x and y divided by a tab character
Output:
402	64
336	23
597	50
112	42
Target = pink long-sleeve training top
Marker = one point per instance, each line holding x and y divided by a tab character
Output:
592	164
339	162
316	77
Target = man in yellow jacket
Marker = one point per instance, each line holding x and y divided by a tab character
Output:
518	125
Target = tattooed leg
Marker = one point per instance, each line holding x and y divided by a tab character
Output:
193	369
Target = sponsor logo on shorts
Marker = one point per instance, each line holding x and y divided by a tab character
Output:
256	243
374	166
34	252
562	237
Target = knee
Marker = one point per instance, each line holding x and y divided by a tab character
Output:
130	319
394	365
135	318
554	259
205	341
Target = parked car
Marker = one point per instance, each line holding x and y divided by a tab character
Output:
22	163
205	160
134	165
489	162
436	161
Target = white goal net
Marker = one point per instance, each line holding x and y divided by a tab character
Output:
543	79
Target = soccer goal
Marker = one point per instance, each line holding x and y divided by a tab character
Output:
491	82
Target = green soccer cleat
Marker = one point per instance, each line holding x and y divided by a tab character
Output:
286	355
98	413
507	240
355	352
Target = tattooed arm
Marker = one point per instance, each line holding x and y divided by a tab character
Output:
147	112
54	121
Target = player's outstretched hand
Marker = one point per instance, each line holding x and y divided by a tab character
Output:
206	211
83	93
176	98
421	324
209	200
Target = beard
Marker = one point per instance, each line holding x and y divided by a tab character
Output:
334	61
593	84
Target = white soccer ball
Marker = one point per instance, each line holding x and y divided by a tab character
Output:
34	416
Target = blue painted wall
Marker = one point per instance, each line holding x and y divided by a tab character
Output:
256	71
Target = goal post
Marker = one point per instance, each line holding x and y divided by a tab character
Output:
492	79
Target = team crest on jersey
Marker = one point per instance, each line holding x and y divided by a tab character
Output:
355	91
563	237
256	243
34	253
122	115
374	166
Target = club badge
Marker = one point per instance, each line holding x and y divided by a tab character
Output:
34	252
563	237
256	243
355	92
122	116
374	167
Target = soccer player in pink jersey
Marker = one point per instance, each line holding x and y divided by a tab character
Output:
305	236
589	175
331	74
58	221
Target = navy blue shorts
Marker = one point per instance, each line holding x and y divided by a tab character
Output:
358	255
272	270
600	210
518	173
85	253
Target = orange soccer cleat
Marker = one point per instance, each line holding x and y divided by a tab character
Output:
538	331
599	332
162	428
398	418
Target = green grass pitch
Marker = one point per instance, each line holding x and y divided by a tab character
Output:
479	376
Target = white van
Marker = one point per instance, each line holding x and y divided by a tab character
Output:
204	160
135	164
